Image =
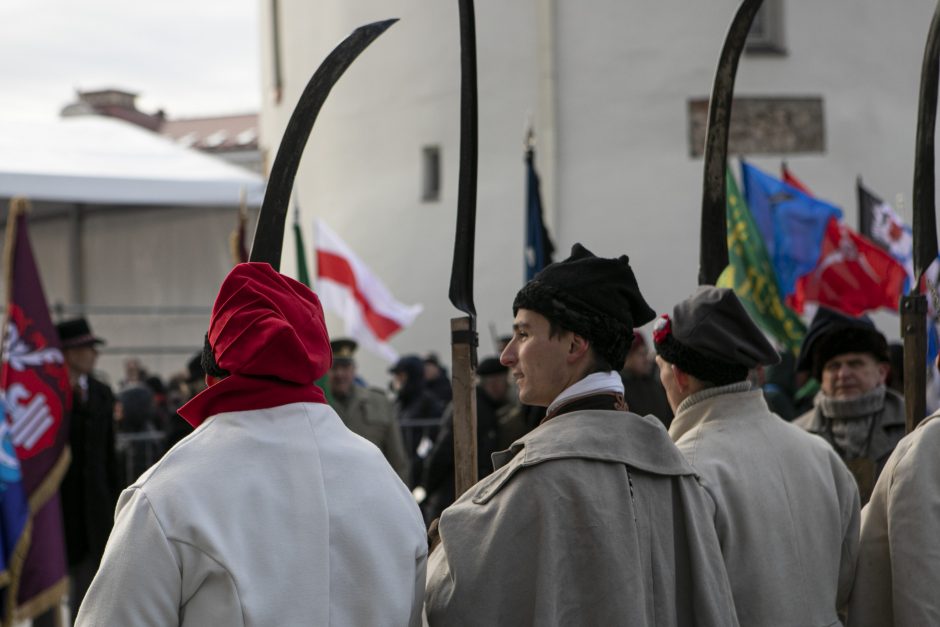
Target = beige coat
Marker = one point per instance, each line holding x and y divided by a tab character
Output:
898	579
592	519
787	508
368	413
279	516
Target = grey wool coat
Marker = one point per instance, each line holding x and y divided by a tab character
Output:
787	508
593	518
898	578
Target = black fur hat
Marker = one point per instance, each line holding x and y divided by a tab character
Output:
597	298
832	333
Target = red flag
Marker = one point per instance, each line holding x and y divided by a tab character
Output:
791	180
853	275
35	384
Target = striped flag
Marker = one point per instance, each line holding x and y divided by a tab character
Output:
348	288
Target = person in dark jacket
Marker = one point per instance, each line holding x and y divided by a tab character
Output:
436	379
89	489
492	397
418	412
642	389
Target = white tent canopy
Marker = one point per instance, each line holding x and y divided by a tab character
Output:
98	160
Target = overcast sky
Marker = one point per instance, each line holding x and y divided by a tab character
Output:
188	57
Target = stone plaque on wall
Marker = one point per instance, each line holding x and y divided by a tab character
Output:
764	126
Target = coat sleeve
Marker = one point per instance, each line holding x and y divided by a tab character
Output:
851	516
913	515
139	581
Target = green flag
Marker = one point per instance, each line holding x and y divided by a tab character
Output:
304	277
302	274
751	275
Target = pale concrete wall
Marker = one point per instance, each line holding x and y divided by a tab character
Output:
608	86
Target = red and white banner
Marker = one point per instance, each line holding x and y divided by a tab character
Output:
348	288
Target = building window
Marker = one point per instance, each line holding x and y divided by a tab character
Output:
431	173
766	34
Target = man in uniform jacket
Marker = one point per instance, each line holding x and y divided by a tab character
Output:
787	509
898	576
271	512
366	411
853	411
594	517
91	484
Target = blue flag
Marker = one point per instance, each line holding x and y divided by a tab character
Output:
14	509
538	245
792	224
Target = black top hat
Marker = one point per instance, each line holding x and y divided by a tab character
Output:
75	333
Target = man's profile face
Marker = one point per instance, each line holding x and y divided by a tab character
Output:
341	378
536	361
850	375
81	359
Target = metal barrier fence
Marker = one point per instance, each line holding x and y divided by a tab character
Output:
136	452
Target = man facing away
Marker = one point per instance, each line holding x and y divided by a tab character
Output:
271	512
853	411
593	518
366	411
787	507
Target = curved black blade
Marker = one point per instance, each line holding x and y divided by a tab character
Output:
713	245
269	235
461	275
925	218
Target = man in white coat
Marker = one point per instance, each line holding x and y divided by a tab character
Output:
271	512
898	578
787	508
594	518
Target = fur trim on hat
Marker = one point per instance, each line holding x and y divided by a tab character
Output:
849	340
610	338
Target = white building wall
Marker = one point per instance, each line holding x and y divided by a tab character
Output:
607	84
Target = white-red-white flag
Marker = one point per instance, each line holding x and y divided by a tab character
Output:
348	288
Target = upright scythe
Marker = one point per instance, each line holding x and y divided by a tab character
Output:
463	330
914	305
713	245
269	234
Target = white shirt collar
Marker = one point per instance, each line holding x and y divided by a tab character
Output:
597	383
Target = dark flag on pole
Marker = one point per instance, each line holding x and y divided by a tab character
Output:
881	224
538	245
35	385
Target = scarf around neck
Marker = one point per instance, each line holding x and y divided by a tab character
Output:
238	392
596	384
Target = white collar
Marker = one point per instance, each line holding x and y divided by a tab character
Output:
597	383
